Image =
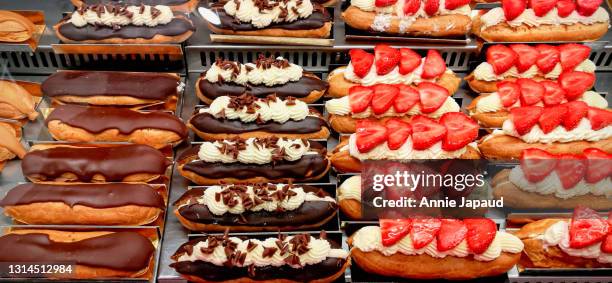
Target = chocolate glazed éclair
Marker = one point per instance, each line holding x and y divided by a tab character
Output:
177	26
316	20
145	2
207	122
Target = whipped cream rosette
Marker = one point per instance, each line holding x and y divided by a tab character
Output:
185	6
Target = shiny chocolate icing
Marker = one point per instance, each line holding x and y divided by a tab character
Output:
99	119
127	251
114	163
177	26
316	20
90	195
205	122
138	2
153	86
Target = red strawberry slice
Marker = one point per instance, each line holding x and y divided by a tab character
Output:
432	96
513	8
409	60
460	130
576	83
386	58
370	137
383	98
587	228
480	233
576	110
407	98
454	4
542	7
452	232
565	8
552	117
398	132
384	3
570	169
434	65
425	132
598	165
393	230
361	61
360	98
423	231
536	164
411	7
606	245
587	7
553	93
599	118
502	58
524	118
527	55
548	59
572	54
531	91
432	6
508	92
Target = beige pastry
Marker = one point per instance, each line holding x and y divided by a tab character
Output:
15	27
9	144
16	102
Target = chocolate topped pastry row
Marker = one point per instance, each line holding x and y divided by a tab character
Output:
139	2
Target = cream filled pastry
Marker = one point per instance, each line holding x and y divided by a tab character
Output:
16	102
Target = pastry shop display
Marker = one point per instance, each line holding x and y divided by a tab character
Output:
584	241
16	102
247	116
124	89
542	21
450	137
76	123
492	109
83	204
10	144
254	160
552	181
538	62
95	254
255	208
291	18
390	65
382	102
430	248
286	258
266	76
119	24
15	27
67	163
427	18
569	128
175	5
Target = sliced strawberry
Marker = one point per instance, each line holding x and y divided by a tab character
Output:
432	96
502	58
587	7
409	60
432	6
531	91
599	118
565	8
480	233
370	137
576	83
508	92
407	98
572	54
423	231
398	132
513	8
537	164
360	98
586	228
393	230
460	130
576	110
524	118
411	7
454	4
386	58
599	165
542	7
527	55
552	117
383	98
553	93
571	168
452	232
434	65
606	245
361	61
548	58
425	132
384	3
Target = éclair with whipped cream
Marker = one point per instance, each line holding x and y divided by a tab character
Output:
184	6
542	21
390	65
115	23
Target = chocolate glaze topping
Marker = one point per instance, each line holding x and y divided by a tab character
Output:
154	86
114	163
91	195
128	251
316	20
177	26
99	119
138	2
207	123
